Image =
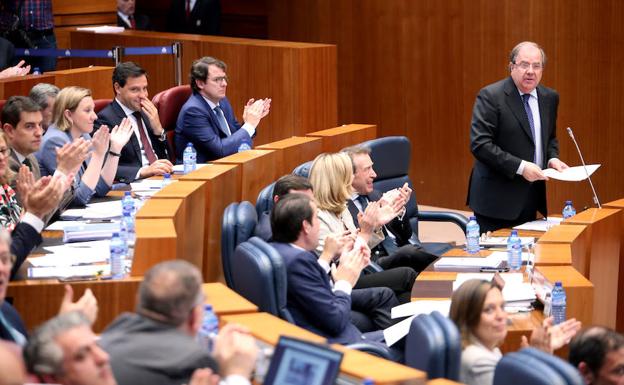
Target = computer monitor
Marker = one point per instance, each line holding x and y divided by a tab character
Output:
298	362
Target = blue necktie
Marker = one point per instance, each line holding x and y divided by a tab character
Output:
221	119
527	109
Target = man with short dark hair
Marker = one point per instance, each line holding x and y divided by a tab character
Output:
44	95
598	354
145	154
157	346
398	247
314	301
207	119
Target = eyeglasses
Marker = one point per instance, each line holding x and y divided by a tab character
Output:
525	65
5	151
220	79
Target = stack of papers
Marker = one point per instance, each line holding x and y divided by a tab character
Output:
100	210
466	264
179	168
89	232
502	241
68	271
540	224
516	293
73	254
102	29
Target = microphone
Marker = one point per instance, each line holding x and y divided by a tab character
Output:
596	201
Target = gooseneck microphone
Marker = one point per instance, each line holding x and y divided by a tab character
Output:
596	201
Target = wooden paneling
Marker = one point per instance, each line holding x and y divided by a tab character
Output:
21	85
257	171
414	68
222	186
292	152
97	79
156	241
337	138
299	77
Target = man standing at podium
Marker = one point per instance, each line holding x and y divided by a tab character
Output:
512	137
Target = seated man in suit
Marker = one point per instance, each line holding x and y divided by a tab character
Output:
314	302
400	279
598	354
157	345
65	351
44	94
395	250
145	154
207	119
127	18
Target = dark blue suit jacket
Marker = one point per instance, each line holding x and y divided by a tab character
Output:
24	238
198	124
311	301
12	317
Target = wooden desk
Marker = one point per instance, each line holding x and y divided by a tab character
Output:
222	186
192	216
577	237
268	329
21	85
619	204
604	229
257	171
335	139
167	209
292	152
156	241
39	300
97	79
299	77
226	301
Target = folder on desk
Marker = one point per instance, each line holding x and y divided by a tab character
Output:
466	264
89	232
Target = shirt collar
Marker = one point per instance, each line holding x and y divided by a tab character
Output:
210	103
532	93
125	109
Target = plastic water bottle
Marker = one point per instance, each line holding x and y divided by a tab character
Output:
189	158
472	236
558	306
166	180
128	226
514	251
117	256
209	329
127	204
568	210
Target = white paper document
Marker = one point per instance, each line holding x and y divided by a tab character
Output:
102	29
571	174
502	241
540	224
179	168
421	307
397	331
467	262
68	271
509	278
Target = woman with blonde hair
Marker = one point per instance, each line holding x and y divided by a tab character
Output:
73	118
10	210
478	310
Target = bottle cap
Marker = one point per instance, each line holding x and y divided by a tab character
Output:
514	233
568	202
558	283
473	218
207	307
167	175
189	144
115	234
127	193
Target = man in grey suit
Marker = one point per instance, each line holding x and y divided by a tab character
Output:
157	346
513	137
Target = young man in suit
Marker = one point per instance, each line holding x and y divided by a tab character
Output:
202	17
207	119
398	248
512	137
318	302
145	154
598	354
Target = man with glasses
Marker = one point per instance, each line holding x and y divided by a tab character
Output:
513	137
207	119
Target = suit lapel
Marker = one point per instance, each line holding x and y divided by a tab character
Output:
544	112
514	101
211	114
134	141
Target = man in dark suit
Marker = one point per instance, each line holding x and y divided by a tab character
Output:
157	344
314	302
145	154
398	247
127	18
598	354
202	17
512	137
207	119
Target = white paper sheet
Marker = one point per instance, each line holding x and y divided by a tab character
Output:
397	331
179	168
421	307
540	224
68	271
502	241
148	185
446	262
571	174
60	225
102	29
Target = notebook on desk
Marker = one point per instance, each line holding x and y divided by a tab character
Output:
298	362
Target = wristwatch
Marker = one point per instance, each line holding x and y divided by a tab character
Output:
163	136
